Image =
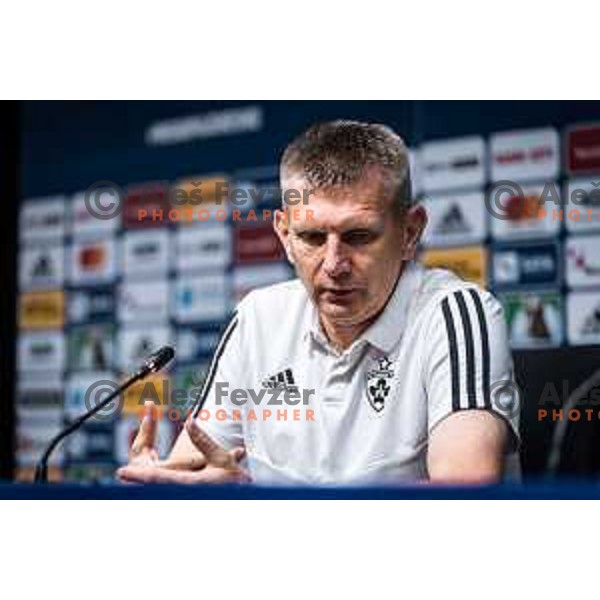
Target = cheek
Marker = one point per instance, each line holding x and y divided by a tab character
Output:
379	267
307	261
371	262
393	250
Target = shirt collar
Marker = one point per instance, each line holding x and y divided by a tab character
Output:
386	331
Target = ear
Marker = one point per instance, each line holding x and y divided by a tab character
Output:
281	227
414	223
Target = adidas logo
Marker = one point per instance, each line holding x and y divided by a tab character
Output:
282	380
453	221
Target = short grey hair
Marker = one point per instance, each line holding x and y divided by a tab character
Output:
336	153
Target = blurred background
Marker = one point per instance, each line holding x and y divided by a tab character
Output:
85	299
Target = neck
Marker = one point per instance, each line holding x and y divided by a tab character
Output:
342	337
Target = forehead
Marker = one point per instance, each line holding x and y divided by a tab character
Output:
366	202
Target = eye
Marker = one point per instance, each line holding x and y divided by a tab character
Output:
313	238
358	237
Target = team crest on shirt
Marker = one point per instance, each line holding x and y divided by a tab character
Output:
379	383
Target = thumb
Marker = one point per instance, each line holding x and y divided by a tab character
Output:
214	453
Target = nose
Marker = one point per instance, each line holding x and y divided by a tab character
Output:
336	262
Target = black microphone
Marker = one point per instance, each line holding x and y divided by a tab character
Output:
154	363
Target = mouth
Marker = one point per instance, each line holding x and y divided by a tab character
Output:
338	293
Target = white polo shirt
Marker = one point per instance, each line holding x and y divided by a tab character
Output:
363	415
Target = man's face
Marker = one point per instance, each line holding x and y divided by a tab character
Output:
349	250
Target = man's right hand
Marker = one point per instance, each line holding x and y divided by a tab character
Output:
208	463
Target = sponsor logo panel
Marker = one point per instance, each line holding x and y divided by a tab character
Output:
143	302
40	390
36	425
92	262
256	243
583	210
41	310
193	193
194	344
247	278
146	253
77	390
527	215
41	351
468	263
583	318
203	247
191	377
156	388
526	155
453	164
456	219
583	149
93	442
26	474
126	429
84	223
523	265
41	266
415	172
534	319
259	194
93	305
91	347
42	219
93	472
33	431
204	298
146	205
136	343
582	258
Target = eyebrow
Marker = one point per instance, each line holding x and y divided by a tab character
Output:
343	228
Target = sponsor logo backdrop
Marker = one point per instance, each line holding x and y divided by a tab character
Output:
98	295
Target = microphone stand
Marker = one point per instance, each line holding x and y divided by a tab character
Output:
41	470
560	431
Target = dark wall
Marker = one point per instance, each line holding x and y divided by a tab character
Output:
9	163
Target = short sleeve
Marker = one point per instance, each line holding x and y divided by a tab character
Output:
213	410
468	364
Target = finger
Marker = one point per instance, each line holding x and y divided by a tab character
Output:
214	453
214	475
188	463
238	454
145	457
134	474
146	436
122	478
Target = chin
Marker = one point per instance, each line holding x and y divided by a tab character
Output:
342	314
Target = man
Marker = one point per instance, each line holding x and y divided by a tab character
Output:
400	362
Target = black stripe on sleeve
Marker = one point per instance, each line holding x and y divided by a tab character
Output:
453	349
485	348
469	348
201	399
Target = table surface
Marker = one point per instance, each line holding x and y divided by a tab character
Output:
527	491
